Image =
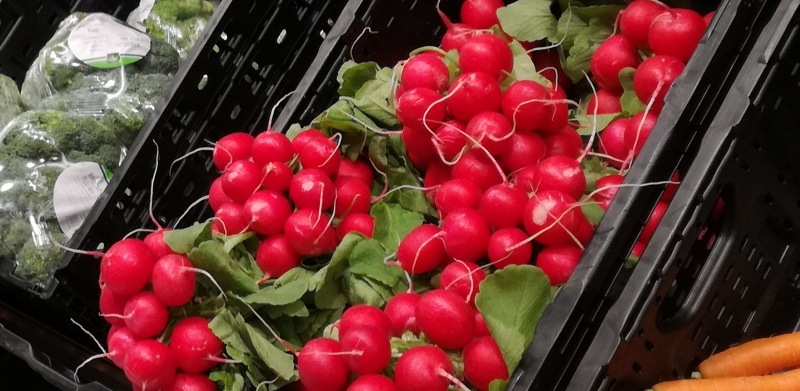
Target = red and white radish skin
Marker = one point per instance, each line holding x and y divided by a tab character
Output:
112	304
217	196
462	278
438	311
119	340
636	18
312	189
272	147
277	176
472	93
195	346
638	130
356	222
150	365
127	267
523	103
373	345
475	165
422	368
436	174
155	241
554	218
491	130
266	212
612	142
352	196
425	70
606	101
566	142
560	173
614	54
481	330
504	248
358	169
480	14
400	309
501	206
558	262
525	150
309	233
145	315
299	141
191	382
450	139
457	194
654	77
422	250
372	383
483	363
558	111
173	284
320	153
322	366
275	256
676	32
230	219
241	179
419	146
363	314
466	235
487	53
652	222
607	187
418	102
230	148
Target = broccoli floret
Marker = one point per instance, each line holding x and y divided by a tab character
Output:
14	231
37	264
28	136
107	156
9	93
162	58
178	10
148	88
179	22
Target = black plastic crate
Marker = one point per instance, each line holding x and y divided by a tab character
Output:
571	322
712	278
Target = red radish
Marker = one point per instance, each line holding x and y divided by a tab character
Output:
611	56
478	167
610	183
472	93
425	70
480	14
191	382
605	101
523	103
612	142
422	250
566	142
217	196
548	63
558	262
638	249
553	217
525	179
560	173
457	194
719	208
277	176
502	206
276	257
309	233
352	196
638	130
636	18
267	211
709	17
173	284
419	146
196	347
241	180
491	130
373	343
558	114
654	77
421	102
322	366
483	363
231	148
312	189
456	36
363	314
672	188
320	153
299	141
119	340
481	330
487	53
508	238
356	222
424	368
438	311
150	365
524	150
112	304
466	235
676	33
145	315
358	169
155	241
450	139
372	383
230	219
272	147
652	222
436	174
462	278
400	310
127	267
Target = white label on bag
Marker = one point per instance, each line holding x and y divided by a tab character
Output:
75	192
103	42
140	14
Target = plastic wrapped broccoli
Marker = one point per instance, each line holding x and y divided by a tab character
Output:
10	100
177	22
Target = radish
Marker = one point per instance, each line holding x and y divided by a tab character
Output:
472	93
558	262
277	176
502	205
230	220
638	130
231	148
356	222
525	179
652	222
196	347
308	234
654	77
312	189
709	17
150	365
275	256
436	174
321	365
676	32
462	278
361	315
560	173
480	14
477	166
524	150
610	57
523	104
358	169
400	310
612	142
271	147
492	130
373	343
266	211
609	185
553	217
419	146
481	330
457	194
487	53
320	153
504	250
450	140
456	35
424	368
191	382
422	250
483	363
558	114
638	249
352	196
372	383
566	142
605	101
299	141
421	102
217	196
425	70
438	311
636	18
155	242
119	340
112	306
466	235
241	179
548	63
145	315
672	188
127	267
173	284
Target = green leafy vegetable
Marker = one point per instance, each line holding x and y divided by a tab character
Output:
230	274
528	20
393	223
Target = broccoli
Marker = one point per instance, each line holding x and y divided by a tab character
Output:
37	264
15	231
10	100
179	22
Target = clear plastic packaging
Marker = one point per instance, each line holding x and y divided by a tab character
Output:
177	22
10	100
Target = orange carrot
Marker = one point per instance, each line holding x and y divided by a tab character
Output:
784	381
757	357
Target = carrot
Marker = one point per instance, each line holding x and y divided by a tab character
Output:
757	357
784	381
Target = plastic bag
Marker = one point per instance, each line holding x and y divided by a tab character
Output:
10	100
177	22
